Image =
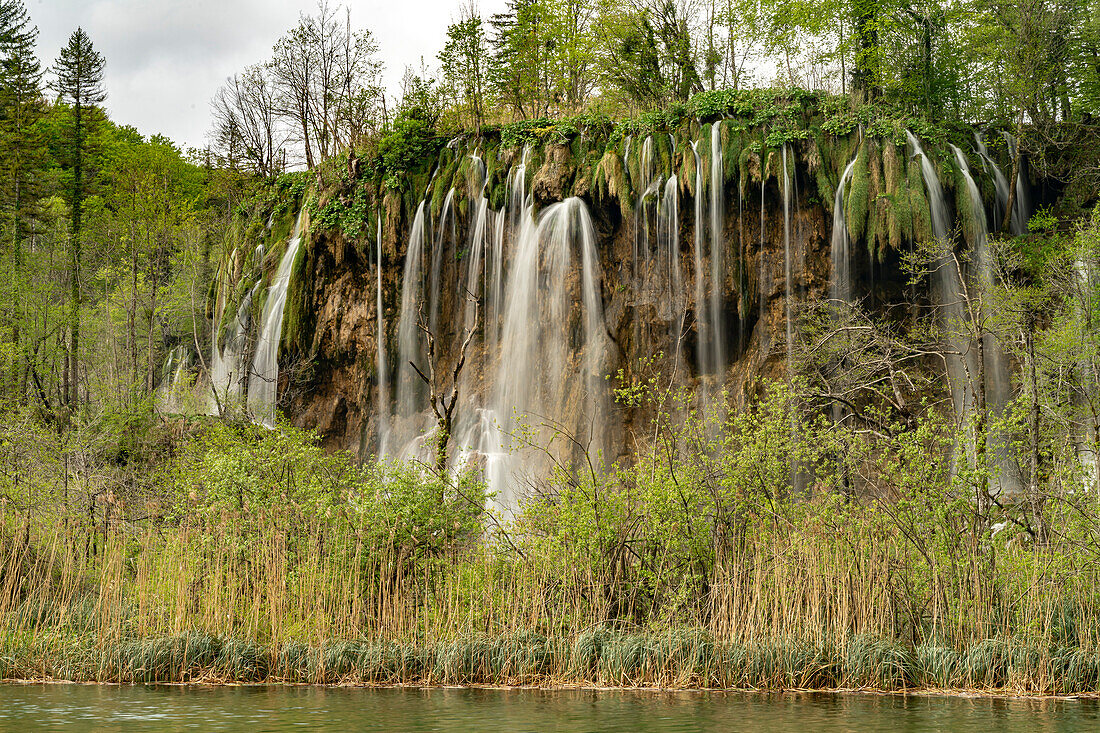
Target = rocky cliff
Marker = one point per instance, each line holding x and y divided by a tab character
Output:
707	239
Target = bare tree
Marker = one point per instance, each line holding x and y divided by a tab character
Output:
443	397
246	123
327	79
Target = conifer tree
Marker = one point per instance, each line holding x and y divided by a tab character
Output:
22	156
79	70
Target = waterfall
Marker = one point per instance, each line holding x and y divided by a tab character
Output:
787	275
264	377
437	263
717	247
536	388
762	273
704	328
408	329
1000	183
518	205
228	377
668	241
475	288
998	387
946	285
173	372
1021	212
937	203
380	356
650	185
841	242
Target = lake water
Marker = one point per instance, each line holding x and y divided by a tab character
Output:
26	708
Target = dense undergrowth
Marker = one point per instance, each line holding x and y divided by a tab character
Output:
192	550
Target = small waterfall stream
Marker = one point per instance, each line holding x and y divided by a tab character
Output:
264	377
840	249
998	386
437	260
381	361
945	279
704	328
409	349
1021	212
788	275
1000	183
717	248
668	242
167	398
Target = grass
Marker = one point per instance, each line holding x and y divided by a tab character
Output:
311	604
260	557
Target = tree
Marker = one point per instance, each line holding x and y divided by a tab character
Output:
22	153
79	71
519	44
327	79
463	61
246	124
650	55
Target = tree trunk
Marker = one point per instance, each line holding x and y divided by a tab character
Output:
73	390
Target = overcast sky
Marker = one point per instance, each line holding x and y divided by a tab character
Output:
166	58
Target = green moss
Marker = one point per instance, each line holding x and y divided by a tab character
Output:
609	181
857	205
824	173
964	208
918	204
297	321
732	143
687	172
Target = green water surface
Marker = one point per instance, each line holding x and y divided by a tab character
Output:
66	707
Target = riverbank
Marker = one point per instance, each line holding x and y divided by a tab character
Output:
598	659
268	559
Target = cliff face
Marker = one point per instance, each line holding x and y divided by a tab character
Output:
576	264
663	306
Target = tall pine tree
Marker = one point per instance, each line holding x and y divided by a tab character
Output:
79	70
22	160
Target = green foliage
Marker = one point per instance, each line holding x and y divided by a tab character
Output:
858	202
409	146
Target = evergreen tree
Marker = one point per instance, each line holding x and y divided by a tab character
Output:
22	156
79	70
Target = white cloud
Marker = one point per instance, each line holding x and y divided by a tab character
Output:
166	58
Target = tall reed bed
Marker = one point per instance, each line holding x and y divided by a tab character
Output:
262	558
287	597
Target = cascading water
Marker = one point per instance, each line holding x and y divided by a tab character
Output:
762	272
705	361
409	349
476	288
841	286
173	374
668	238
228	376
534	388
717	246
1021	211
1000	183
381	362
998	387
946	283
646	282
787	274
650	186
437	261
264	377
